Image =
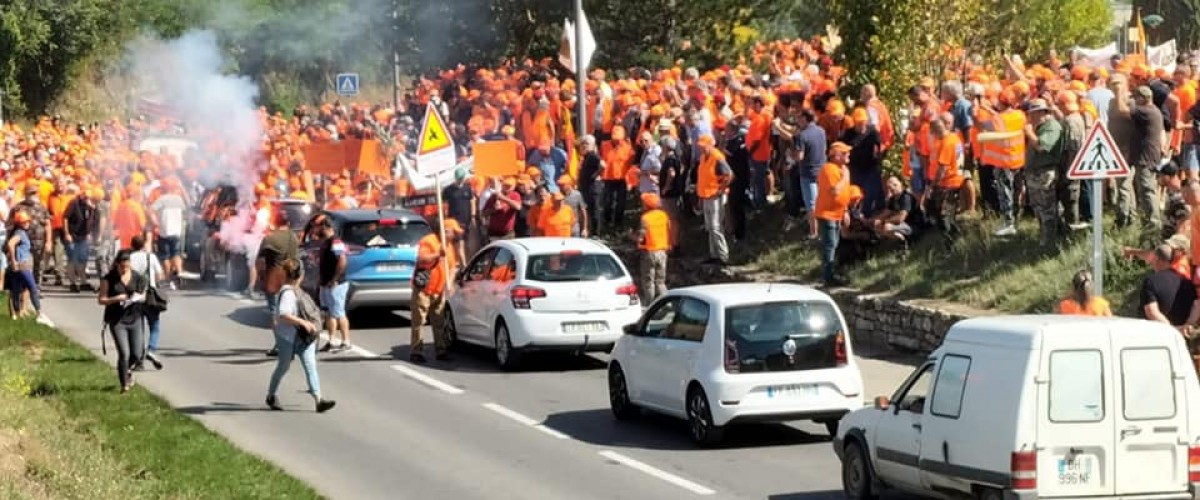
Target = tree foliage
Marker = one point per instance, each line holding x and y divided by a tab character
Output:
1181	21
893	43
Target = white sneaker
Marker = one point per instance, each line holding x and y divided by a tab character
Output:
1008	230
43	320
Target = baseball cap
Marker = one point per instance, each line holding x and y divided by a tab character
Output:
1144	91
1038	105
839	147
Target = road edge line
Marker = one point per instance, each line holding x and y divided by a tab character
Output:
427	380
656	472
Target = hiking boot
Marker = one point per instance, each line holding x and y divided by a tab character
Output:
273	403
325	405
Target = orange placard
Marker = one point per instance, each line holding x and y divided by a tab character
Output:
324	158
372	159
496	159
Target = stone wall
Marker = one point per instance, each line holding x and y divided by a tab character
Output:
880	322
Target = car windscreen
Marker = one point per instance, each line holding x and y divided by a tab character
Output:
562	267
384	234
782	336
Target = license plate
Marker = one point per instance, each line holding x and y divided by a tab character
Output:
1080	470
792	391
585	327
391	268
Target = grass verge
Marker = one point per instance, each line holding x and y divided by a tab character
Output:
1012	274
65	432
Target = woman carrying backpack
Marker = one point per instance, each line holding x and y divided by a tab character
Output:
296	332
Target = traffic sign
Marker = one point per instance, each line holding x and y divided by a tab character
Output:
436	151
347	83
1098	158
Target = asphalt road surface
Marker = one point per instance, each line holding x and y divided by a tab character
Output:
460	429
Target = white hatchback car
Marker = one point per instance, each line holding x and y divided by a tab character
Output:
542	294
749	352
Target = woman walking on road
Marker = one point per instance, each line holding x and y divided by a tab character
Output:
296	333
122	301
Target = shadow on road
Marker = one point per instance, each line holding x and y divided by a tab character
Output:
251	316
214	353
475	359
221	407
809	495
659	432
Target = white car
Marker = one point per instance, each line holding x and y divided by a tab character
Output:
723	354
542	294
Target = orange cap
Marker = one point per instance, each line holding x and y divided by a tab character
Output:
566	180
21	217
859	115
706	140
839	147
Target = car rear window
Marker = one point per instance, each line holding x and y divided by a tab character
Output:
762	335
297	214
384	234
561	267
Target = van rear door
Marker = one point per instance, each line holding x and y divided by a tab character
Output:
1075	430
1150	411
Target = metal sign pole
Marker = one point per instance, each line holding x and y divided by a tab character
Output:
1098	236
442	232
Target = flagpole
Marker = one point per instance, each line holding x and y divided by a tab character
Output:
580	76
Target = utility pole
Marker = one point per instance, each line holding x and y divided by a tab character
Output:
396	55
580	73
1	108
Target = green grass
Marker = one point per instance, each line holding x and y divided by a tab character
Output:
1011	274
65	432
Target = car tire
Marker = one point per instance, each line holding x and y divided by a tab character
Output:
618	394
989	494
507	356
857	481
831	426
451	330
700	422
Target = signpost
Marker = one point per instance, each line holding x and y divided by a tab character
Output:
347	84
434	156
1098	159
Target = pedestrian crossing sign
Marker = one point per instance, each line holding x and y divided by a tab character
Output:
433	133
1098	158
347	83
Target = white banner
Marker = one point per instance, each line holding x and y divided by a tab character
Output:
1098	57
1163	56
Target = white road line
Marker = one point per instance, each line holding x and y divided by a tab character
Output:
427	380
658	473
524	420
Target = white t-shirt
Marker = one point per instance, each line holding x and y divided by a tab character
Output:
138	261
169	208
287	305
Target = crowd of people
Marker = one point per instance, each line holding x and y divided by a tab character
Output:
720	145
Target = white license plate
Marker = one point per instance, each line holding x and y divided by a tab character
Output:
792	391
391	268
1080	470
585	327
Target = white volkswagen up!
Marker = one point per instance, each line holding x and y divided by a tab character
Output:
1035	407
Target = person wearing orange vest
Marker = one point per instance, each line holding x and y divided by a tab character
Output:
1081	301
1008	158
57	203
616	157
945	175
1045	136
429	288
833	200
654	241
713	177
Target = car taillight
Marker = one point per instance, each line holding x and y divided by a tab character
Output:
521	296
839	349
630	290
1194	464
1024	470
732	360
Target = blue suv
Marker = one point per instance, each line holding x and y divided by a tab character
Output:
382	254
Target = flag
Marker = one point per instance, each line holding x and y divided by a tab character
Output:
1141	34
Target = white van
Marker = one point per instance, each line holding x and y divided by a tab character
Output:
1029	407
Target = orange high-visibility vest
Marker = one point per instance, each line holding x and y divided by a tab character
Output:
1011	152
708	183
657	227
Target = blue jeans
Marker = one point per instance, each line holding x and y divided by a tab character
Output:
289	347
21	281
152	320
830	232
759	182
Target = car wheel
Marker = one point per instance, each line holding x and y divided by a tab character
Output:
618	394
700	419
856	473
508	356
832	427
989	494
451	330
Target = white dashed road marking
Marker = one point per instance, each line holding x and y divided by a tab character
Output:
658	473
523	420
427	380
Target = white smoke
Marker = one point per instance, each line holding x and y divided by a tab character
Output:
218	111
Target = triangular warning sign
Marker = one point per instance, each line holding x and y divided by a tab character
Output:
434	135
1099	157
347	86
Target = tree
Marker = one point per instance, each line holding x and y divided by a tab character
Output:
1181	21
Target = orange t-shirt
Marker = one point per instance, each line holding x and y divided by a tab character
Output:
948	155
129	220
1097	306
617	159
557	223
831	207
428	248
58	209
759	137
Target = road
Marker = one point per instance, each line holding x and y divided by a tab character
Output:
457	429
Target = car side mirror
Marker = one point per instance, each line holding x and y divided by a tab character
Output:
630	329
882	403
